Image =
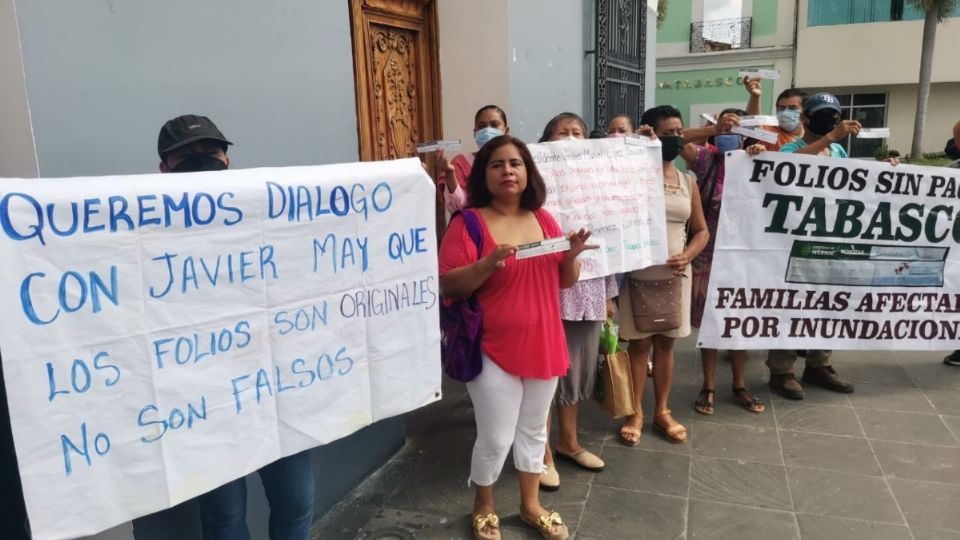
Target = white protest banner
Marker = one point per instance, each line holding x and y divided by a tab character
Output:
614	189
824	253
165	334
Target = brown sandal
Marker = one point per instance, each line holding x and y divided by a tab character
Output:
704	402
747	401
629	435
677	433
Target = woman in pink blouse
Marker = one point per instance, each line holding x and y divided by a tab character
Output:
489	122
583	308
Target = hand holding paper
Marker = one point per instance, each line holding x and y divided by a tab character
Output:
578	243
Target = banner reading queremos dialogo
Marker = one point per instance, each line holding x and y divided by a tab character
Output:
614	187
826	253
165	334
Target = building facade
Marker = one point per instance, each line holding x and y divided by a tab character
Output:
867	52
85	87
699	57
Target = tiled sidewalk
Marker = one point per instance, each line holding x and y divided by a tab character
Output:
882	463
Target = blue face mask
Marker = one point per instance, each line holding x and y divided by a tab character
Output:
788	119
727	142
484	135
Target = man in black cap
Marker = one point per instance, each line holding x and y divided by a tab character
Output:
191	143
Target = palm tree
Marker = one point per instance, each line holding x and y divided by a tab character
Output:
936	11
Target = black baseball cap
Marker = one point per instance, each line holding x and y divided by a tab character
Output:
186	129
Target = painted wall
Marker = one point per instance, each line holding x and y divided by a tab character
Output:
687	91
764	17
943	113
547	62
884	53
676	27
474	63
17	157
103	77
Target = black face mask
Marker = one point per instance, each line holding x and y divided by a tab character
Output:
198	163
821	124
670	147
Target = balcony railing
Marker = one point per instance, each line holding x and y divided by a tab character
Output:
720	35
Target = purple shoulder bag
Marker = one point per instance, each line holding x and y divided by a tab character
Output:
461	322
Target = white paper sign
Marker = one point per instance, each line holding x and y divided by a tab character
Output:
825	253
165	334
759	120
759	134
874	133
613	189
433	146
771	74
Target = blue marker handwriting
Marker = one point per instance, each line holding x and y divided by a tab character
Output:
190	271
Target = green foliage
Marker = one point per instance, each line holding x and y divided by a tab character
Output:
661	13
943	7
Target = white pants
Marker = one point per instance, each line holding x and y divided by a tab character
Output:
508	410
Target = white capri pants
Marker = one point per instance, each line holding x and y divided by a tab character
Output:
508	410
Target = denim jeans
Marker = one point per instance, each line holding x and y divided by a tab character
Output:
288	483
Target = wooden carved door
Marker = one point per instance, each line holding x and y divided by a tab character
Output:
397	75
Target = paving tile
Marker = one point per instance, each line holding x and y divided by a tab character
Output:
828	452
571	472
344	521
891	398
827	420
934	374
737	442
934	534
831	528
716	521
403	524
905	427
728	411
877	372
594	423
919	462
953	423
814	395
613	513
927	504
447	443
442	489
944	401
843	495
654	472
650	439
749	484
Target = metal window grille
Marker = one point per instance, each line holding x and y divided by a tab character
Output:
720	35
621	34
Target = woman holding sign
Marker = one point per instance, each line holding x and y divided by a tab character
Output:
489	122
686	237
708	163
523	346
583	307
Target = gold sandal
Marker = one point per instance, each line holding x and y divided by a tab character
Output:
677	433
545	523
481	522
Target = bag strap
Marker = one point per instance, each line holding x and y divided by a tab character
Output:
473	228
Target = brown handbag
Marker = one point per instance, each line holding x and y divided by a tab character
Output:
656	303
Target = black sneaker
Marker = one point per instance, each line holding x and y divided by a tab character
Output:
952	359
827	377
